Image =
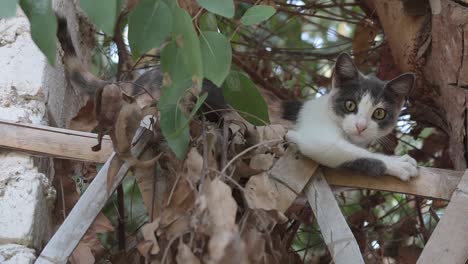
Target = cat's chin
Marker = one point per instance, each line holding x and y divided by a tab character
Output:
359	140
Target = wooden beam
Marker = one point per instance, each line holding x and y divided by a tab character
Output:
431	182
293	174
448	243
54	142
69	234
290	175
76	145
335	231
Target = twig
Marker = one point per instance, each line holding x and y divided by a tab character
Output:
225	143
62	193
153	195
205	156
121	208
139	86
124	57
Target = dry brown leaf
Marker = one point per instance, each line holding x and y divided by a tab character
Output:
193	165
237	134
260	193
144	247
262	162
102	224
222	207
259	134
185	255
174	217
254	244
114	168
122	133
266	133
244	170
107	104
226	247
84	120
177	228
82	255
148	232
152	187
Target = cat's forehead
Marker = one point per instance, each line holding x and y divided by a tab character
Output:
367	85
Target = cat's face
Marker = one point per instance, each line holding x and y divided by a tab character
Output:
365	107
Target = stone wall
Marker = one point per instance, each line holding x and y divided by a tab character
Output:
26	195
32	91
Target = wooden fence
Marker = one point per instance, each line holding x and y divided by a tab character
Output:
448	243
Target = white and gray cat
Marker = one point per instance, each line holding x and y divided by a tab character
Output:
336	129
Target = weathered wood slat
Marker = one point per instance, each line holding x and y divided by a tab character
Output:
294	174
67	237
54	142
76	145
448	242
290	174
431	182
335	231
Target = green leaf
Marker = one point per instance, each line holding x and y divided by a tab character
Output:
171	4
189	45
102	13
43	25
257	14
242	94
8	8
149	25
217	55
173	66
172	118
208	22
223	8
197	106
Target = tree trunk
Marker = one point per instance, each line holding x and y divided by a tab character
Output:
435	46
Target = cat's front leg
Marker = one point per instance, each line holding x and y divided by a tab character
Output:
403	167
339	153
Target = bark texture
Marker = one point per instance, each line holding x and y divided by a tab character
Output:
435	46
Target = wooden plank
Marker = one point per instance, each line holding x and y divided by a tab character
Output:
76	145
290	174
67	237
431	182
448	243
335	231
54	142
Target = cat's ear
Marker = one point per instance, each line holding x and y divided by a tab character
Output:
402	84
344	70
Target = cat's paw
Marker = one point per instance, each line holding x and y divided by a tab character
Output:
403	167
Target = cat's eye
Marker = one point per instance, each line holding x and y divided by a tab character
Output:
379	114
350	106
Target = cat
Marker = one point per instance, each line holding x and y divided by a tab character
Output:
335	129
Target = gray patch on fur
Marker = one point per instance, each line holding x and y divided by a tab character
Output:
372	167
355	89
291	110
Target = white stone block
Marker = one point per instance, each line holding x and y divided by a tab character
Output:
21	75
26	201
16	254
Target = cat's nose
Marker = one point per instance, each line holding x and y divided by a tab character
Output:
360	127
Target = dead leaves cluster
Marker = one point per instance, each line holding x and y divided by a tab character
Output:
211	213
220	205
